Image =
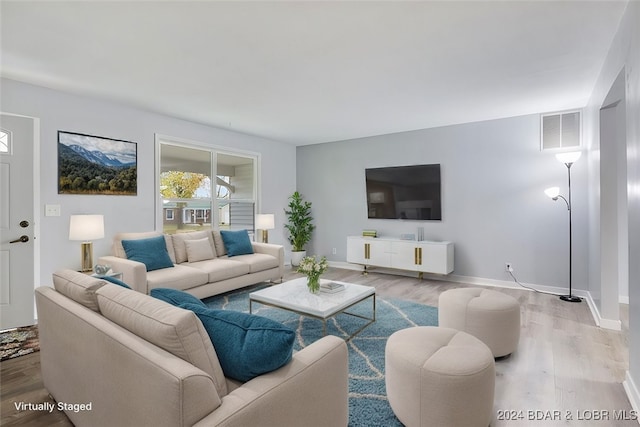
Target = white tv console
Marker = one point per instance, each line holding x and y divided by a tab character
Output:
421	256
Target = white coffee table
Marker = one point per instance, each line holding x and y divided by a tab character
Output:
294	296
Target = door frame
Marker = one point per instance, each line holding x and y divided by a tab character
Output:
612	118
37	217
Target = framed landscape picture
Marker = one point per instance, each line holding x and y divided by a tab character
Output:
96	165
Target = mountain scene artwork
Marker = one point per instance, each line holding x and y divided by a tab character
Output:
96	165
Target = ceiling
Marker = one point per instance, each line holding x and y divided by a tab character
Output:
309	72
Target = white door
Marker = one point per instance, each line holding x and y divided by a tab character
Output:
16	221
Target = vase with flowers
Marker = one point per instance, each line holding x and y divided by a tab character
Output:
313	269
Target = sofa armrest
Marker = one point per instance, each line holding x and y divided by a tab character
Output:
273	250
134	273
268	249
311	390
128	381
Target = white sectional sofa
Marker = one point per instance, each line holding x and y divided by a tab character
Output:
199	277
134	360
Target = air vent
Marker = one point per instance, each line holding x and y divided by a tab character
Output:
560	130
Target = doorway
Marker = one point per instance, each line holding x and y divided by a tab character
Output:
614	216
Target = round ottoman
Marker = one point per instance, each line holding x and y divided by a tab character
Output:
491	316
439	377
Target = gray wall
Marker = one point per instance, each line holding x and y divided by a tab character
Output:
63	111
623	55
494	206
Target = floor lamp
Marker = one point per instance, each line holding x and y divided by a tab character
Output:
568	159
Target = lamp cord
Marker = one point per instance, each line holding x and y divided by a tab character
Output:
531	289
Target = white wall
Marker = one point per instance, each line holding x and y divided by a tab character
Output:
494	207
624	54
63	111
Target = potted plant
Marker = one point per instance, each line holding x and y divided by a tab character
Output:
299	226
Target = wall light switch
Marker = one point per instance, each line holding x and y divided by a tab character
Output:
51	210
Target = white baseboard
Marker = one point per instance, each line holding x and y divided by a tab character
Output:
615	325
469	280
633	394
345	265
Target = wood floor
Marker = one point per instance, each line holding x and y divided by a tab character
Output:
566	370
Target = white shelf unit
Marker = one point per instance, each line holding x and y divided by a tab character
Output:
420	256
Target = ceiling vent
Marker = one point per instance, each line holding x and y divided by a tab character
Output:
560	130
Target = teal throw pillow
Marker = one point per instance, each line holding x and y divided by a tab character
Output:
247	345
236	242
175	297
115	281
152	252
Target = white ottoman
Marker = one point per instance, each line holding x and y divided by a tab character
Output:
439	377
491	316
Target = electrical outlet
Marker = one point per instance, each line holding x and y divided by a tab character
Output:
334	251
508	267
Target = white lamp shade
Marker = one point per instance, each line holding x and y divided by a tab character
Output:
569	157
86	227
552	192
265	221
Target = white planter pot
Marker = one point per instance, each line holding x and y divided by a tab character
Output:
296	257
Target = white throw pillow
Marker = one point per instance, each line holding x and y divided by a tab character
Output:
181	249
198	250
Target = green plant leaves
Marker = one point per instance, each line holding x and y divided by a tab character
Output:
299	226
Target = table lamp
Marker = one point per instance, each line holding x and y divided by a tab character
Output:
86	228
265	222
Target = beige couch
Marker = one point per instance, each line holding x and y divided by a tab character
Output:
133	360
201	278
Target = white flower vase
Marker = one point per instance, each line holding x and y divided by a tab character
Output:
296	257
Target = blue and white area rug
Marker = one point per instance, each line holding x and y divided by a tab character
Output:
368	404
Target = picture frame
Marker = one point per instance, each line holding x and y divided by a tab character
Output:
96	165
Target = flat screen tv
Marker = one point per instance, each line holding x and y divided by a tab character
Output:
404	192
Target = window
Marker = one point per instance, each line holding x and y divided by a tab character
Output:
560	130
235	191
5	142
184	174
192	201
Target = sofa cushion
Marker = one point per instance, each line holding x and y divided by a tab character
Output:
237	242
219	243
258	262
221	268
175	297
115	281
171	328
119	251
152	252
79	287
180	247
199	250
247	345
179	277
